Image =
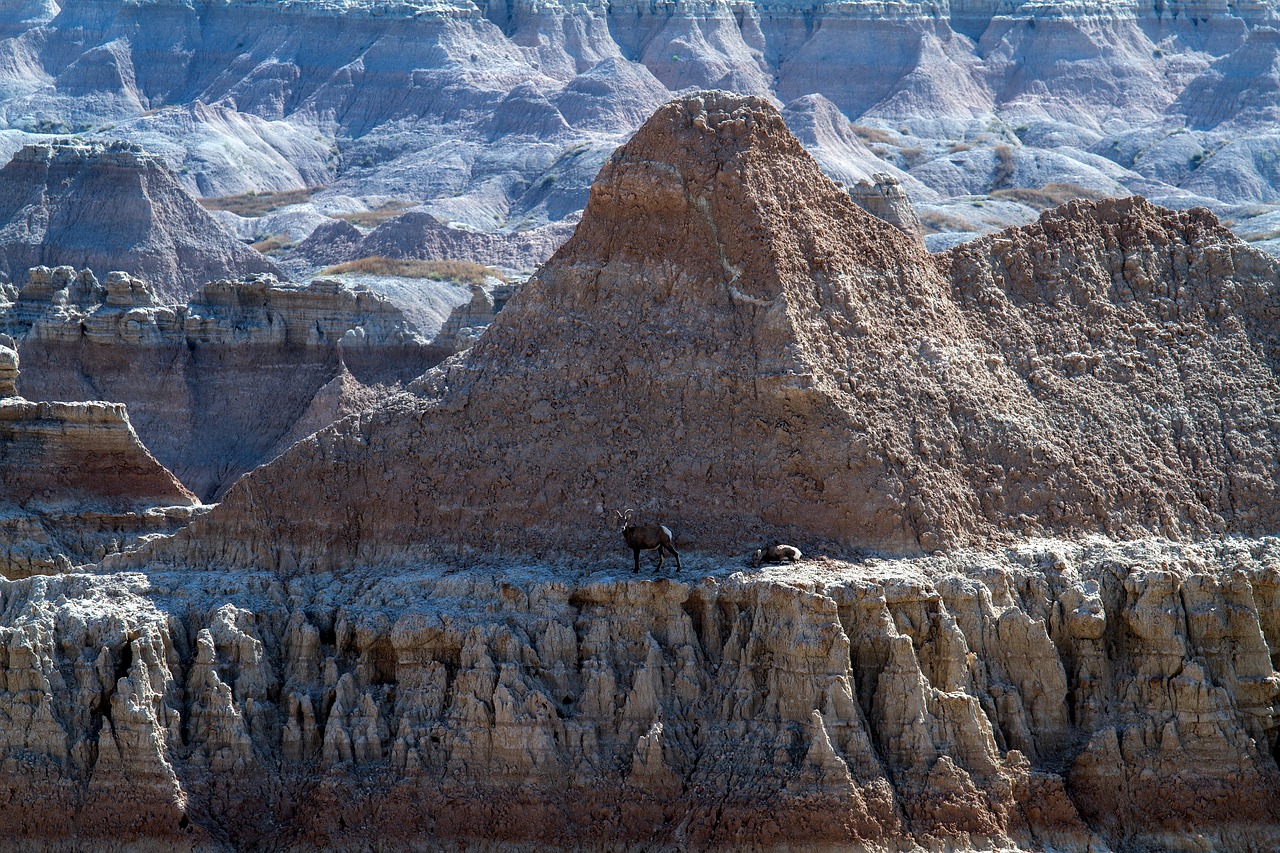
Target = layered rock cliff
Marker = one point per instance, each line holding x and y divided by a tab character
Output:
112	207
75	482
498	114
415	627
1055	696
214	386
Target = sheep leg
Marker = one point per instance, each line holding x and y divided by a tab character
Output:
659	567
675	554
636	552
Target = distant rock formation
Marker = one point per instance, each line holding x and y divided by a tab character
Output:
883	196
111	207
466	323
75	482
419	235
8	371
214	386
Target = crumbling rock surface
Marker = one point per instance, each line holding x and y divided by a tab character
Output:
883	196
75	482
215	386
112	207
1054	696
733	347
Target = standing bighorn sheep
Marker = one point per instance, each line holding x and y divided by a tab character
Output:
647	537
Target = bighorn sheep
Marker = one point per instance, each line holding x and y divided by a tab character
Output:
647	537
776	553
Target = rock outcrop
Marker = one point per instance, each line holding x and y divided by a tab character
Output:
8	371
466	323
111	207
1056	696
883	196
75	482
730	344
419	235
214	386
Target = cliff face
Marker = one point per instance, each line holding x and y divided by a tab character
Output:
112	207
730	345
498	114
75	482
214	386
1054	696
378	636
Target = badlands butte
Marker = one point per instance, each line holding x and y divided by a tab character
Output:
1033	477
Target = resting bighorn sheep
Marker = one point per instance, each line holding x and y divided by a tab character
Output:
776	553
647	537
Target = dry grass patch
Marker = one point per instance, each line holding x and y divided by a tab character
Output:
377	216
466	272
1050	195
255	204
937	223
871	134
274	245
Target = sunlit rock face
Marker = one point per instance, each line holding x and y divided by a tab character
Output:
496	117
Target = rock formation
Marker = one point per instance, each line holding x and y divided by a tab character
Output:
467	322
421	236
112	207
714	348
1054	696
75	482
383	633
213	386
8	371
884	197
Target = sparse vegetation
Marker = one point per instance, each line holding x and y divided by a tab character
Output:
958	147
871	134
936	223
378	215
1050	195
912	157
466	272
255	204
1006	166
1259	236
274	245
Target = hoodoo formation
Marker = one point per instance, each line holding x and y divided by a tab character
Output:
1012	468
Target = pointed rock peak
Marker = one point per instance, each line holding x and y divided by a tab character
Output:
714	199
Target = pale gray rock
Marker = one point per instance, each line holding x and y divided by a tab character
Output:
110	207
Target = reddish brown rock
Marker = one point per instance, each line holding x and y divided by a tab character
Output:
730	345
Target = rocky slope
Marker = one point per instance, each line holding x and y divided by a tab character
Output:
1055	696
112	207
385	637
498	115
218	385
728	343
75	482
